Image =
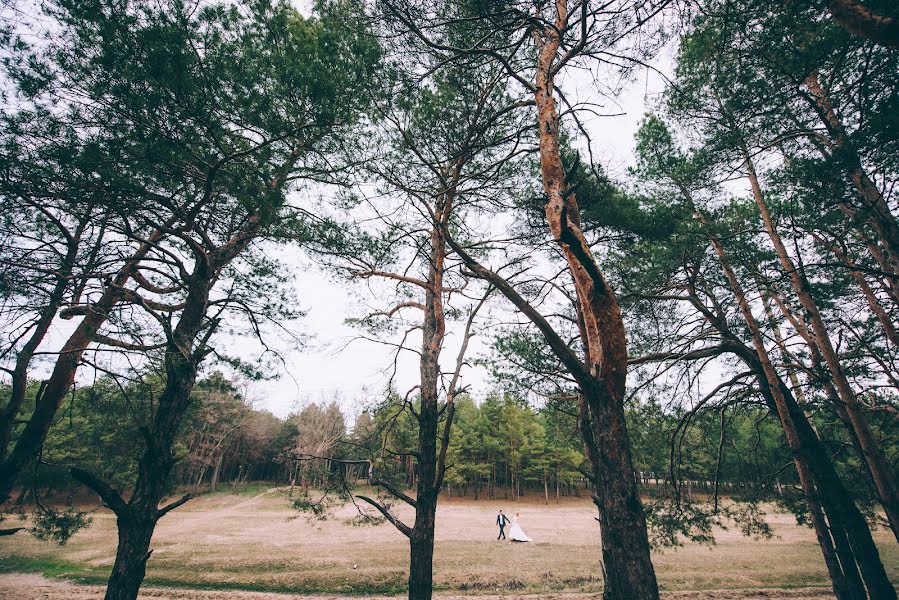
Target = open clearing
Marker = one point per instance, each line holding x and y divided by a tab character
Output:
237	546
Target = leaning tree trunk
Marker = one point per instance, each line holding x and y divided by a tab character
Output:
19	374
62	377
182	358
810	459
876	208
881	471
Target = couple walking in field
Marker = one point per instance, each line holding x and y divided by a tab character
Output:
516	533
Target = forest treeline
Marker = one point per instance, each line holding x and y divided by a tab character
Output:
502	448
721	316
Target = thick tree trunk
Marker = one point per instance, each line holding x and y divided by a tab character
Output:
861	20
627	567
138	522
421	548
421	538
132	554
625	545
182	357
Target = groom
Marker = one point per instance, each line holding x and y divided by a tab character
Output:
501	520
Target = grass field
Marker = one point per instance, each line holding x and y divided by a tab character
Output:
257	543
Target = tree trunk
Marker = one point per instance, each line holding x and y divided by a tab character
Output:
216	472
545	487
625	546
861	20
808	454
421	549
874	458
63	375
132	554
628	570
870	297
421	566
182	357
421	538
138	522
877	210
19	374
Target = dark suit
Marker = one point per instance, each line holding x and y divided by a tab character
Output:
501	520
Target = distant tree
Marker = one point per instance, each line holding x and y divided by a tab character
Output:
319	429
219	416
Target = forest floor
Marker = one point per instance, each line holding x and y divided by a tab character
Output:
223	546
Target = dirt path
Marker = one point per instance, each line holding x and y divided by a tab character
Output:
35	587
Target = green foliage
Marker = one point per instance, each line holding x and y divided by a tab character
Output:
54	525
671	524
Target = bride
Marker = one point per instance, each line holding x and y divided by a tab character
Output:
516	533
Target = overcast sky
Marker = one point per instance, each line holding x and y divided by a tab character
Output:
355	373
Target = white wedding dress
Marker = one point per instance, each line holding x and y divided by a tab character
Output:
516	533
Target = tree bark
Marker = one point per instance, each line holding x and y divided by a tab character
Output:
139	520
861	20
132	554
628	569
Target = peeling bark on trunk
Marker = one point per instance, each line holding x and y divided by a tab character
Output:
861	20
628	569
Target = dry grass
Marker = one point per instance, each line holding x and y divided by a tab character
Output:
35	587
229	542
